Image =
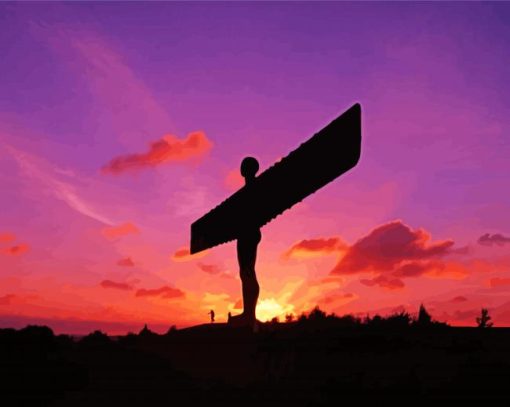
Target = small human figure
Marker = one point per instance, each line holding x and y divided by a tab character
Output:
211	313
247	242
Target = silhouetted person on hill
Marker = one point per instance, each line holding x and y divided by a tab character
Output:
247	242
211	313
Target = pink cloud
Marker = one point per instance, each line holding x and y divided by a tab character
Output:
164	292
116	285
112	232
458	299
126	262
387	247
209	268
7	299
15	250
499	282
183	254
167	149
315	247
6	237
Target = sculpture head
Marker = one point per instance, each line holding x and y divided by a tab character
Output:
249	168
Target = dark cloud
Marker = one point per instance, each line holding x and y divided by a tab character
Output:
496	239
458	299
167	149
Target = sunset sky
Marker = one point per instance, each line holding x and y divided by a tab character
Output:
122	123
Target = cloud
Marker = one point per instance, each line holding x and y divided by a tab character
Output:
458	299
50	177
126	262
114	284
6	237
209	268
183	254
384	282
499	282
167	149
126	103
387	247
315	247
393	252
15	250
163	292
7	299
113	232
496	239
211	298
238	304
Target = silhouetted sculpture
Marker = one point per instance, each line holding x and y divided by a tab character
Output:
328	154
247	242
211	313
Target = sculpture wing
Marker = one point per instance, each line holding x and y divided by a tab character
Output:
328	154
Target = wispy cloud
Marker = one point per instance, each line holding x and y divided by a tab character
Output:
49	176
133	110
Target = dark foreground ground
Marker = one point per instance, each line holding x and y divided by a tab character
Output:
307	363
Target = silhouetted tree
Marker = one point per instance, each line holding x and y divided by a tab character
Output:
317	314
424	317
483	319
400	319
146	332
96	339
289	318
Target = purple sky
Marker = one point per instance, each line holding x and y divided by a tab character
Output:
82	83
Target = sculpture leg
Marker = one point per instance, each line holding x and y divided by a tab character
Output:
246	256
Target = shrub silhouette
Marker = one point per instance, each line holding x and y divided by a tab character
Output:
483	319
